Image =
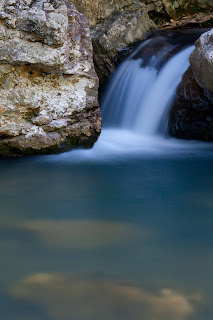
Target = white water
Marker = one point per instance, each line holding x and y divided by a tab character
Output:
139	98
135	111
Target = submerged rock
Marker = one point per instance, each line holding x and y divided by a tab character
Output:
115	25
48	85
97	11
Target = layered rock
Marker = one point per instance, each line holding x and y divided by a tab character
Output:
48	85
116	25
192	115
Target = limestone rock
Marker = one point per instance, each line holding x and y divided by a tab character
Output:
202	61
165	9
117	32
98	10
118	24
48	85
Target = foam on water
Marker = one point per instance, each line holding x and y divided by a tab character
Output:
121	144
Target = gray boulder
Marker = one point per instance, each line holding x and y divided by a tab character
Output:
201	61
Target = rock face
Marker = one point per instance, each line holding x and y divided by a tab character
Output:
174	8
116	24
201	61
48	86
98	10
192	115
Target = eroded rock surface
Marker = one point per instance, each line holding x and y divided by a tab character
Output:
115	25
48	85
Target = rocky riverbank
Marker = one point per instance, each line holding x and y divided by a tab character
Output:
48	84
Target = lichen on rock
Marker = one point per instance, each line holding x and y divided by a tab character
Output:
48	85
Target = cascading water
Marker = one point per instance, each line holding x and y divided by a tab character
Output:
137	101
139	96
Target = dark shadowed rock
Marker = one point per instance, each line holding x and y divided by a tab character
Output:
115	25
192	115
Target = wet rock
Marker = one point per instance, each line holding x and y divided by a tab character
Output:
201	61
48	85
97	11
64	296
192	115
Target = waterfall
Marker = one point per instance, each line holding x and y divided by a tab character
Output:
141	92
137	101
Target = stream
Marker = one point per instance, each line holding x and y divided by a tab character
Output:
122	231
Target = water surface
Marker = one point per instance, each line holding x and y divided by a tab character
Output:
122	231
